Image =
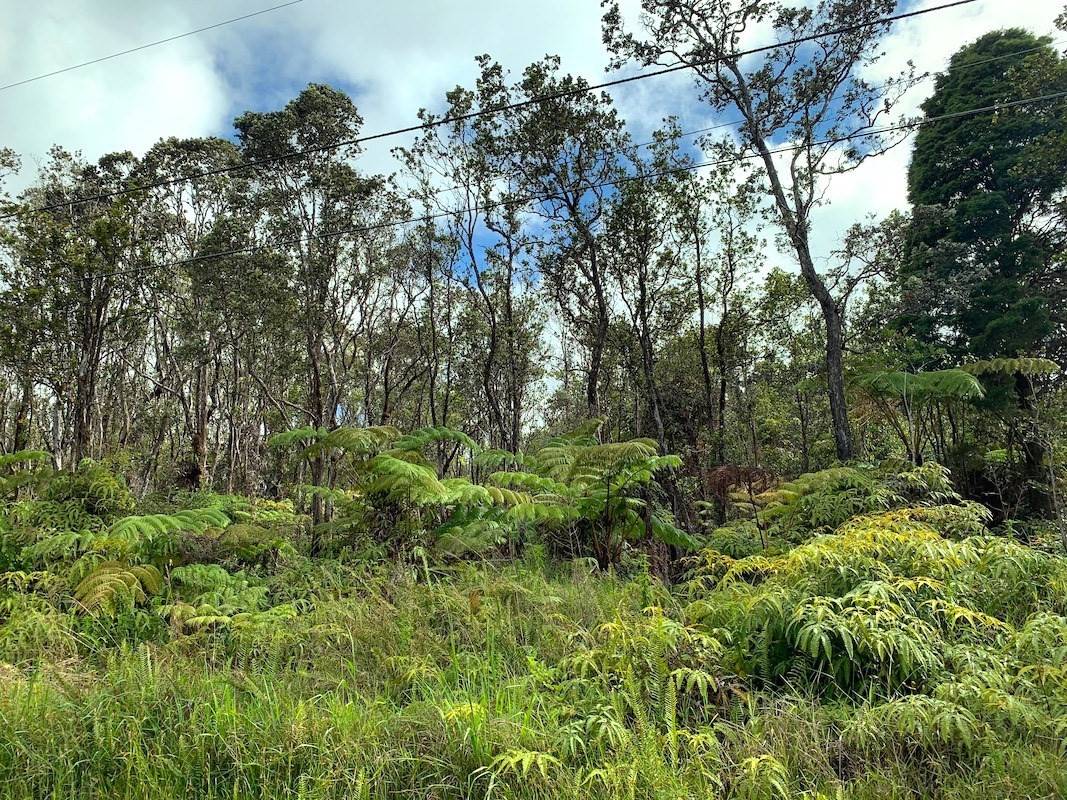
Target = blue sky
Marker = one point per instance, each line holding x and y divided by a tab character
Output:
394	57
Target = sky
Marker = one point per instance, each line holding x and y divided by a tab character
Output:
393	57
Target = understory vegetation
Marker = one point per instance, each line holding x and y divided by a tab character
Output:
858	632
569	457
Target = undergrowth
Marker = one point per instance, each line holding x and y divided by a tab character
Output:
855	633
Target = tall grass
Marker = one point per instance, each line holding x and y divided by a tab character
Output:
452	689
905	653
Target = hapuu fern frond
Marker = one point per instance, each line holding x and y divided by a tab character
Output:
112	585
422	438
1025	365
136	529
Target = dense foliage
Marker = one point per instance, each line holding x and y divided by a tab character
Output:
874	638
534	470
531	268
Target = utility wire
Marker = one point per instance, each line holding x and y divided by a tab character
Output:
905	126
738	122
448	120
924	77
146	46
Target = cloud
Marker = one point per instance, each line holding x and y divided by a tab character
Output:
393	57
125	103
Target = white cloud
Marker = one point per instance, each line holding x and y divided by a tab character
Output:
125	103
394	56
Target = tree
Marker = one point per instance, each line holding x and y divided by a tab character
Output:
186	302
984	263
484	205
315	204
564	154
80	267
646	269
809	94
984	245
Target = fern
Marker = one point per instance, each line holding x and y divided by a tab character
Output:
763	777
148	527
1009	366
922	387
112	585
400	479
419	440
526	764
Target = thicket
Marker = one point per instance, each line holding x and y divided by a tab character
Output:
857	632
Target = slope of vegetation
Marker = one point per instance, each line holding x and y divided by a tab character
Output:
858	632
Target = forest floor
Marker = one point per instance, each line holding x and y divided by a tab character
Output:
907	653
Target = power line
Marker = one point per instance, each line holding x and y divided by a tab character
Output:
738	122
146	46
485	111
925	77
904	126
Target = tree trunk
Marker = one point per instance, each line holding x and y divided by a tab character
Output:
802	414
835	372
795	222
22	417
702	336
1036	456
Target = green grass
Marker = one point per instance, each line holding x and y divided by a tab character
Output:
866	653
488	682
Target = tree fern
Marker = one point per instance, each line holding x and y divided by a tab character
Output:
149	526
421	439
113	585
1025	365
922	387
400	479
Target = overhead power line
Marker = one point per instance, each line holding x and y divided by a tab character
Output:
734	123
448	120
146	46
738	122
904	126
924	77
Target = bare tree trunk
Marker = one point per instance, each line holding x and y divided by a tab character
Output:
702	336
795	221
802	415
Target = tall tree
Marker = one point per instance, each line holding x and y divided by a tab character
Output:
316	205
565	153
985	264
985	241
808	94
81	265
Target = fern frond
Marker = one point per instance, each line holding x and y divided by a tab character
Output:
113	585
1025	365
402	479
422	438
193	520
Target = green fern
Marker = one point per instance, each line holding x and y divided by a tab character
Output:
1025	365
147	527
113	585
419	440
